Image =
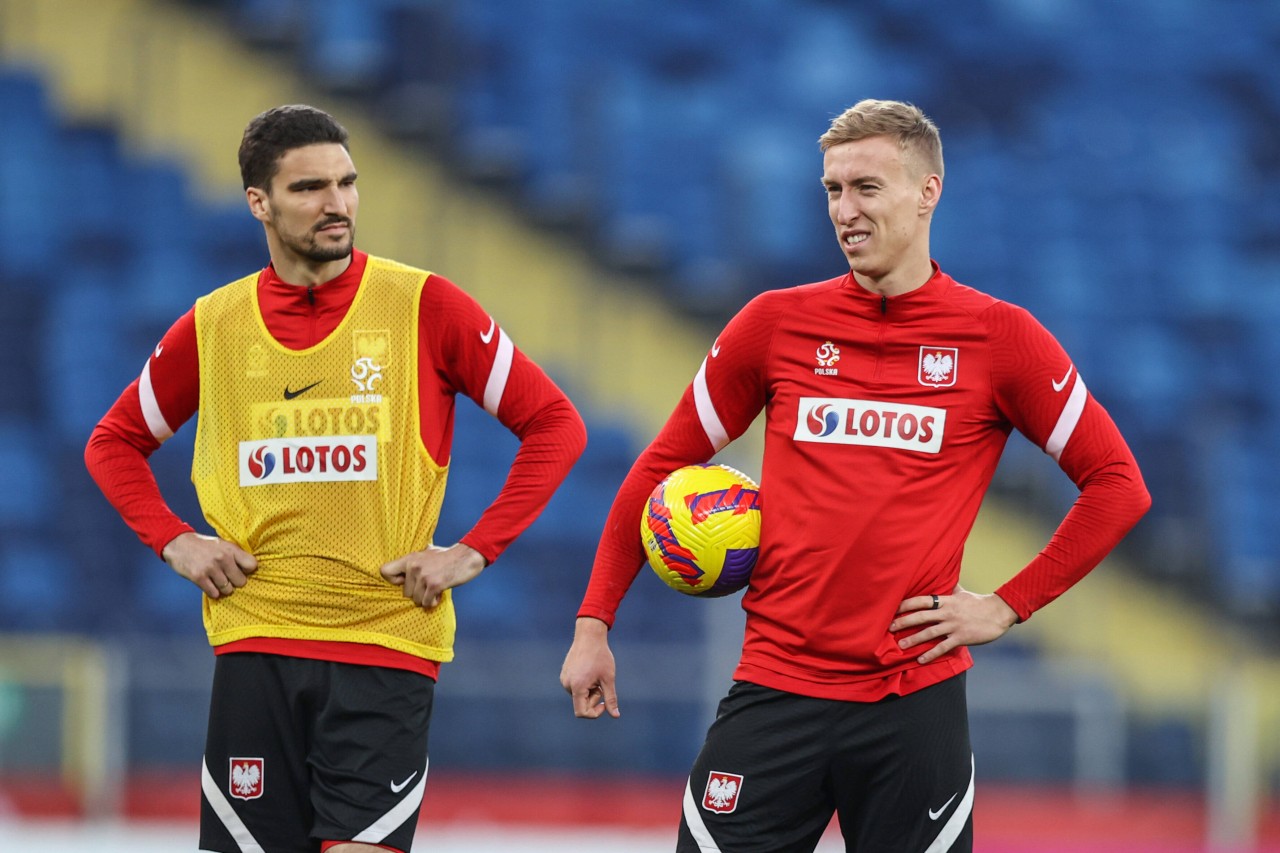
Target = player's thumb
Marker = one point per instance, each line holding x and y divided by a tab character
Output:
393	573
246	561
610	695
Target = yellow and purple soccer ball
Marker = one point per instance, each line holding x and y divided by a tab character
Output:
701	529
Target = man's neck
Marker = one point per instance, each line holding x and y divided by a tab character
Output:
301	272
902	279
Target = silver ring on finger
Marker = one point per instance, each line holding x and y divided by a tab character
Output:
937	602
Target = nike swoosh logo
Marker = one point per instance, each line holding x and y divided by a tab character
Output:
159	348
397	788
1058	386
488	336
935	815
289	395
715	349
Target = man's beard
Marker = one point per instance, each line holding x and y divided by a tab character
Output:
310	249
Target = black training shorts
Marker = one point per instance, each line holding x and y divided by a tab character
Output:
301	751
776	766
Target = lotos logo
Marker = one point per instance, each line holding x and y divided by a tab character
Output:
335	458
261	463
823	420
874	423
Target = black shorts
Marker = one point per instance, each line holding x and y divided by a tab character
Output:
301	752
776	766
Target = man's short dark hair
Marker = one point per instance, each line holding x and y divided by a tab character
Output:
279	130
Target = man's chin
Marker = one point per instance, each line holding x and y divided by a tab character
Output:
321	255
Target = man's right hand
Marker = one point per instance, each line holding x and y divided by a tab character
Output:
215	565
588	672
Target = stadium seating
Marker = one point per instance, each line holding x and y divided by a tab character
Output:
1098	181
1138	221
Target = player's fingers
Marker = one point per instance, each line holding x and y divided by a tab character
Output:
581	704
918	602
924	635
218	586
937	651
914	620
586	703
232	574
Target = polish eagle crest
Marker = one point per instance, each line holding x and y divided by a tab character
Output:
246	778
938	365
722	792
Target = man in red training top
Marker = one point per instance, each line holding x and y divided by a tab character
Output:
888	393
325	386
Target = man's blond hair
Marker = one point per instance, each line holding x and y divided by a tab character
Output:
917	135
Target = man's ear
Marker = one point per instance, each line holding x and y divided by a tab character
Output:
930	193
259	203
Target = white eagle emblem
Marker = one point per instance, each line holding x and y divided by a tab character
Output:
722	792
938	366
246	778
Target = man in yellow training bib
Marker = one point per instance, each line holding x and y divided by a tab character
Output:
325	386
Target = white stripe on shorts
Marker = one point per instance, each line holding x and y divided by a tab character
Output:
693	820
951	831
399	813
222	808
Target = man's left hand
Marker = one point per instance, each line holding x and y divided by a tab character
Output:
961	619
426	574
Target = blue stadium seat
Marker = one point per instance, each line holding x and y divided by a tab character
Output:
37	586
161	602
83	360
1241	492
27	491
22	343
344	47
30	161
91	190
1096	177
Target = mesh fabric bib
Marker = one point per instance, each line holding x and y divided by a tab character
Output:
312	461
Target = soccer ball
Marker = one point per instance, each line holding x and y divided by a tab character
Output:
701	529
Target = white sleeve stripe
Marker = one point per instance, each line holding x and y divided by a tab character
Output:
711	425
498	373
1067	421
150	408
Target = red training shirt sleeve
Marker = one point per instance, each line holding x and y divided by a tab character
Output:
725	396
147	413
465	350
1040	391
